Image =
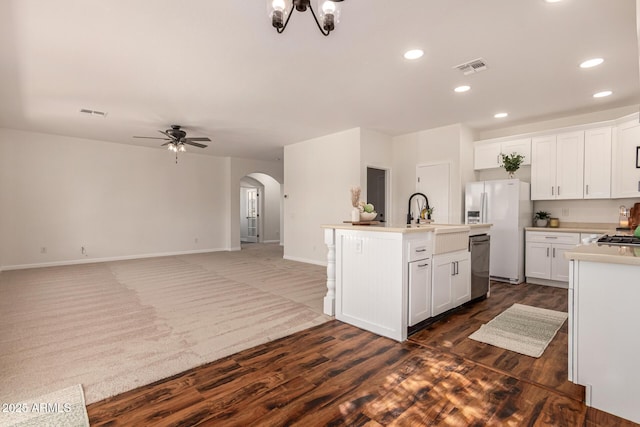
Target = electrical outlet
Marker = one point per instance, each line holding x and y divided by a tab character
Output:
358	247
43	250
83	251
565	212
195	240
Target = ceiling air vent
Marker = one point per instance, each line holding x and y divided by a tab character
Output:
471	67
93	112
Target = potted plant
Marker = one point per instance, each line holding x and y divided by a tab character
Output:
511	162
542	218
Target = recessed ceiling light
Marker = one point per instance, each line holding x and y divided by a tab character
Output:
463	88
553	1
591	63
413	54
500	115
602	94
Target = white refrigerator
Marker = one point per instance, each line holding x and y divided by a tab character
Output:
506	205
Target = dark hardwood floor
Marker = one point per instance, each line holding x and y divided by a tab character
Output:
336	374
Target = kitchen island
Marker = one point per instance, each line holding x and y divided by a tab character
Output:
387	278
604	291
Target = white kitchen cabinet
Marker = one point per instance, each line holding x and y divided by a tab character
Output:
543	167
625	160
557	166
545	256
487	155
451	284
597	163
520	146
419	291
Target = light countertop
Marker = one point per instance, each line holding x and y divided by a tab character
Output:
593	252
579	227
403	228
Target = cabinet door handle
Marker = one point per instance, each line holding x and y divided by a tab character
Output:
587	189
453	268
423	265
554	252
421	250
552	190
558	190
498	159
547	252
550	237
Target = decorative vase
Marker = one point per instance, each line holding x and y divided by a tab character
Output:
512	174
355	215
541	222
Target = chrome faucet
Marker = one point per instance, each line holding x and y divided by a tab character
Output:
409	216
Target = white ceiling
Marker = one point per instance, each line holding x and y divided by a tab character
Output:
218	68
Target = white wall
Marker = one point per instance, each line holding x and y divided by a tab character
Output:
428	147
116	200
574	120
318	175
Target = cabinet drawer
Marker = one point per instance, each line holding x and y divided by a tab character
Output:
553	237
420	249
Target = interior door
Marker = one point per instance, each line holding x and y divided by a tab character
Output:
377	191
434	182
252	215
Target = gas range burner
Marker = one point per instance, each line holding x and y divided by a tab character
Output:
617	240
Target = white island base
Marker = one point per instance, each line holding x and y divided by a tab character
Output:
380	278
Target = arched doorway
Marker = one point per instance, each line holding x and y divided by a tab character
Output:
260	209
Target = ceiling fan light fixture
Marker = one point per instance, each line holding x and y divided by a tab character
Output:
182	148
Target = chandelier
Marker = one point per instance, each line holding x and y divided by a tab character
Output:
329	13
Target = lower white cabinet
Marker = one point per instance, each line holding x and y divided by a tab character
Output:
451	284
545	255
419	291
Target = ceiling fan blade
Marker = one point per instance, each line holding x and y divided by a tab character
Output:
195	144
197	139
171	138
150	137
166	143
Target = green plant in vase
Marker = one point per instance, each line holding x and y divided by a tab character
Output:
511	162
541	218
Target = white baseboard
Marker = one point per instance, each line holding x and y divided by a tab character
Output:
307	261
106	259
271	241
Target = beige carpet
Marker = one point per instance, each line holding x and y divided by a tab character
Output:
521	328
115	326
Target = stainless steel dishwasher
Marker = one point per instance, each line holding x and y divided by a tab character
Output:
479	247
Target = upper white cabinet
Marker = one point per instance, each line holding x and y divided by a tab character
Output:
520	146
557	166
487	154
597	163
625	161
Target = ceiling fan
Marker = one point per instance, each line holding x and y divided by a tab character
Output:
177	139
